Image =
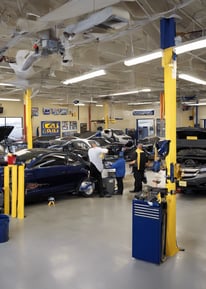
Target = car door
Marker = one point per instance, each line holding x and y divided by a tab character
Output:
48	175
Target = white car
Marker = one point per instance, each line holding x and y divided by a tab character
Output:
117	135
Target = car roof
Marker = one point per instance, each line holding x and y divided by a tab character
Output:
26	154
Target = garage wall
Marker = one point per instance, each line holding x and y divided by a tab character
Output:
12	109
201	115
80	114
121	111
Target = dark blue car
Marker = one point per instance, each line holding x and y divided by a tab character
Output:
49	173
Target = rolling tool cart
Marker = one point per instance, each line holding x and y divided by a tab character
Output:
108	176
149	228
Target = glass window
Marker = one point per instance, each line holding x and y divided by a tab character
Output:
145	128
51	161
17	122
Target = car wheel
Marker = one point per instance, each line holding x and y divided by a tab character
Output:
86	188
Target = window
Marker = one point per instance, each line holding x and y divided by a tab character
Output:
50	161
17	122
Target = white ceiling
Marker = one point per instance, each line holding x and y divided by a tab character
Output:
93	39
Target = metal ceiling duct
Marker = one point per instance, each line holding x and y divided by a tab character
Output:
108	18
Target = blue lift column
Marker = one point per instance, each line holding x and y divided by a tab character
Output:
168	33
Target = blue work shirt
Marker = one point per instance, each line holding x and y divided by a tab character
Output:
119	165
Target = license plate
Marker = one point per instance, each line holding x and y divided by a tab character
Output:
182	183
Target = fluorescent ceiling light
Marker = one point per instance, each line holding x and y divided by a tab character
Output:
79	104
6	84
10	99
139	103
100	105
144	58
191	45
179	49
191	78
85	76
195	104
127	92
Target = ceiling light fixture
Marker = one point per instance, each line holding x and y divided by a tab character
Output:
191	78
100	105
126	92
194	104
10	99
139	103
191	45
179	49
79	104
6	84
144	58
85	77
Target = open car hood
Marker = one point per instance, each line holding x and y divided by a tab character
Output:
5	131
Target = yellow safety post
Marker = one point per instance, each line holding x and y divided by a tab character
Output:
20	211
6	191
14	191
27	102
169	64
106	115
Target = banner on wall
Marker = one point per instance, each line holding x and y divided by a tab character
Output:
143	112
50	128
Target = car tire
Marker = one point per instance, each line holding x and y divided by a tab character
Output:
87	188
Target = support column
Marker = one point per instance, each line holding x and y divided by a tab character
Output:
106	115
89	117
28	128
169	64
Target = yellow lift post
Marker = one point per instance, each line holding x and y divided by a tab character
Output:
169	65
106	115
27	103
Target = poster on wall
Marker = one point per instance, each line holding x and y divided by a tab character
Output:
34	111
65	125
73	125
59	111
55	111
50	128
46	111
63	111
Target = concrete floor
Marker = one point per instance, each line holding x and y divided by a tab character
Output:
86	244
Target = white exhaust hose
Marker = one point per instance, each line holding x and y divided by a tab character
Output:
101	17
24	61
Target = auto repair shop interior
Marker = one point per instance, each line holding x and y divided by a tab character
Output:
118	73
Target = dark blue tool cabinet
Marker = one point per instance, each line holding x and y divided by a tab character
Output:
148	231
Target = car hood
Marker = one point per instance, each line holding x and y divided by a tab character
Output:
5	131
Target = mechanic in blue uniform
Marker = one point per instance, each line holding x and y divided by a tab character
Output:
119	166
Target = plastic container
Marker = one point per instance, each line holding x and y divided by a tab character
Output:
4	228
11	159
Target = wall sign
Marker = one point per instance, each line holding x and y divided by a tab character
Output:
143	112
46	110
50	128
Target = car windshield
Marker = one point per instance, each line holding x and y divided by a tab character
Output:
91	141
118	131
26	155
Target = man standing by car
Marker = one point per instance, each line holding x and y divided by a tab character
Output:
95	154
139	160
